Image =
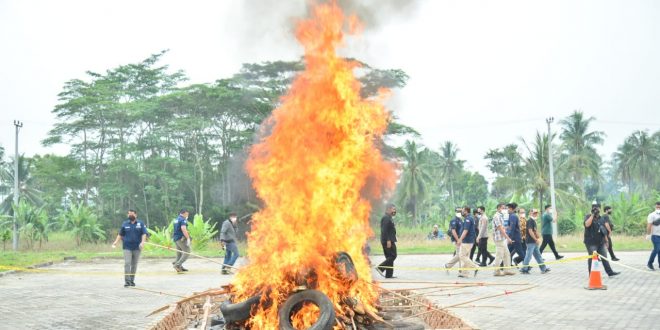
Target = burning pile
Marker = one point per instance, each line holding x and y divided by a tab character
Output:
312	171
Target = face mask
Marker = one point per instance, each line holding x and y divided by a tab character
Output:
458	215
657	211
505	211
232	219
131	217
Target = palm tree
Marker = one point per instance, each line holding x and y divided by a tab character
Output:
578	149
636	160
449	167
25	184
415	178
536	174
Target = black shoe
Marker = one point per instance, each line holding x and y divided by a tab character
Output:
380	272
178	269
183	269
559	257
614	274
482	265
393	276
127	284
615	259
132	283
650	266
526	272
491	261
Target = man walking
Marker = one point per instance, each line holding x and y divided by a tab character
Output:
181	238
533	241
549	216
228	239
455	230
501	240
465	243
388	241
607	221
133	234
653	233
482	237
514	233
595	238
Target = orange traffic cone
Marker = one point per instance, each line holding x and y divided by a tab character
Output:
595	281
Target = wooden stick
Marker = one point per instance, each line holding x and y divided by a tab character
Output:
158	292
429	306
491	296
192	254
423	293
205	293
207	308
159	310
455	283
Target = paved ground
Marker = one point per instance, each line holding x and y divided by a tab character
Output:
78	295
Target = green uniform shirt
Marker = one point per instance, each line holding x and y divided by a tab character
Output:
546	227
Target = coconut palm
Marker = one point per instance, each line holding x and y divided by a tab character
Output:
25	184
636	160
415	178
536	174
449	167
578	148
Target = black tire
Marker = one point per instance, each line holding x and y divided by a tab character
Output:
326	320
238	311
346	267
398	326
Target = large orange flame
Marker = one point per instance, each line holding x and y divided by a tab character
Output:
312	172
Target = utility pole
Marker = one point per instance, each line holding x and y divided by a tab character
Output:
552	177
18	125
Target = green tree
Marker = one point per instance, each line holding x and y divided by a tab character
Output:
636	161
27	190
415	178
578	149
507	164
449	168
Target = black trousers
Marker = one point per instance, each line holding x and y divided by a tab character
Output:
474	248
609	247
483	251
600	248
390	255
517	247
547	240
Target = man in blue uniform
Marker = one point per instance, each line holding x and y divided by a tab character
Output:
181	238
513	231
133	234
465	242
455	230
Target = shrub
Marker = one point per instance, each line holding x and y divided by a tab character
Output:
161	236
566	226
201	231
80	221
33	222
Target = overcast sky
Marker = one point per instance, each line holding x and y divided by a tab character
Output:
482	73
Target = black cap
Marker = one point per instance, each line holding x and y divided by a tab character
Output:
512	205
183	210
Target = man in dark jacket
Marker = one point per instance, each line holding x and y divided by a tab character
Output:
513	231
228	239
388	240
595	238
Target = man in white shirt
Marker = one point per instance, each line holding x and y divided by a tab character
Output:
653	233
